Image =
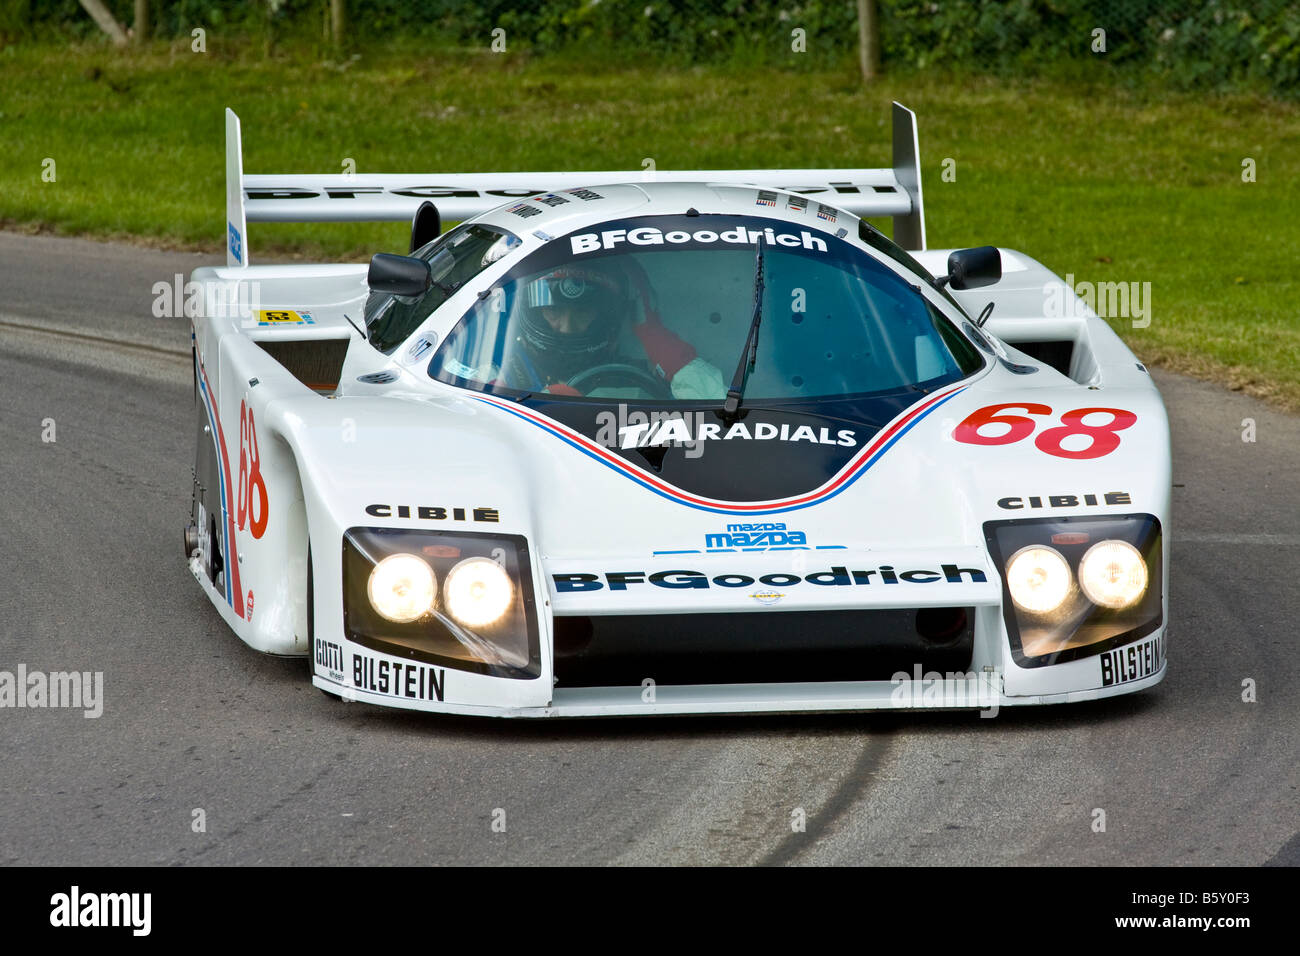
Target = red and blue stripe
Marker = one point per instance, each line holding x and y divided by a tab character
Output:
231	557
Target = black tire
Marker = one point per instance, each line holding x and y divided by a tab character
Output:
311	628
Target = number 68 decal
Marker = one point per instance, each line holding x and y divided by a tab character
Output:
252	486
1103	439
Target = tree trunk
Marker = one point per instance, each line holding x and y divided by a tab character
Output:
141	21
868	39
338	21
105	20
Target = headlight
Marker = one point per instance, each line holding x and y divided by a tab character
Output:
458	599
1113	574
402	588
1039	579
478	592
1076	586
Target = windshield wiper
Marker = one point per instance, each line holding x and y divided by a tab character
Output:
749	356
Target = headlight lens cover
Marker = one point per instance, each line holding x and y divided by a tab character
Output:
402	588
1113	574
462	600
1074	587
1039	579
478	592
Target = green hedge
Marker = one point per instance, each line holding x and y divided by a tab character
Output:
1219	43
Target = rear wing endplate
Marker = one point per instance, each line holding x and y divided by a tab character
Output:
395	197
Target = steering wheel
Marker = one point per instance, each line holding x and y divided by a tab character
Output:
599	376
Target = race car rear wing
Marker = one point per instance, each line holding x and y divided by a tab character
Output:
395	197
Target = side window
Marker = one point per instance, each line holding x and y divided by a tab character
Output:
391	319
881	243
967	358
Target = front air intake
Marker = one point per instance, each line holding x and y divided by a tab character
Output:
760	647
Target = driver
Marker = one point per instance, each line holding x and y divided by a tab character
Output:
571	320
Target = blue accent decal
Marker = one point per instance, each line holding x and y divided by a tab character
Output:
236	244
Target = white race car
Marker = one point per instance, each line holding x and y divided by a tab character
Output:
689	442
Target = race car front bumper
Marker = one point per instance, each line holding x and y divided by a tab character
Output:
991	680
681	641
931	692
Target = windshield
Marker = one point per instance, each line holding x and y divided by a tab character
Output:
658	307
455	258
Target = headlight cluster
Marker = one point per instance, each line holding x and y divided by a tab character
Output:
403	588
1077	586
459	599
1111	574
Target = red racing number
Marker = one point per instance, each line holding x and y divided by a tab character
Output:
252	487
1103	439
968	432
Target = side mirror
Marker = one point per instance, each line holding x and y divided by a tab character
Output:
973	268
398	275
426	225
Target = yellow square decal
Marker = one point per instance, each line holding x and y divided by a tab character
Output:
284	317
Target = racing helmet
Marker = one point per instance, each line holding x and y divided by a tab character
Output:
595	297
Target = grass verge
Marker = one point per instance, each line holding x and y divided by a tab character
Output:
1106	184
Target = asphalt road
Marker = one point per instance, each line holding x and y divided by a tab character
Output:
92	579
